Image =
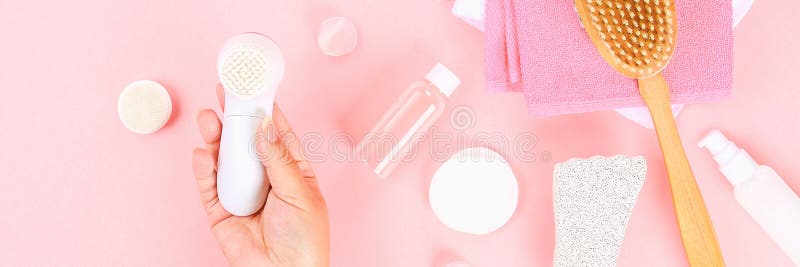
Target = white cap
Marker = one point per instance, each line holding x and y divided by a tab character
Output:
444	79
734	163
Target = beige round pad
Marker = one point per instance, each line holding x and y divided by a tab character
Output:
144	106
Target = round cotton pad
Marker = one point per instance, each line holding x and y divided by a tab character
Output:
474	192
144	106
337	36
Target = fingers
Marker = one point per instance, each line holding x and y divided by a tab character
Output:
209	125
204	167
205	174
204	162
284	173
291	141
210	129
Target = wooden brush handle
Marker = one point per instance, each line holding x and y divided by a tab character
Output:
696	229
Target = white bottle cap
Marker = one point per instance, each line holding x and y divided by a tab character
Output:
734	163
444	79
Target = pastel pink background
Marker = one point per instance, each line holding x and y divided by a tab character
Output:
79	189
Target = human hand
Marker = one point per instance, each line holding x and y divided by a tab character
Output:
292	227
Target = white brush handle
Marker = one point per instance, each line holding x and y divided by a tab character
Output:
241	178
250	67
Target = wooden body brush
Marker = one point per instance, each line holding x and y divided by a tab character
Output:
637	38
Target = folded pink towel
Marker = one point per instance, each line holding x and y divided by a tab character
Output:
540	48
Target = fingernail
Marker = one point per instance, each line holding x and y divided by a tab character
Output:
268	128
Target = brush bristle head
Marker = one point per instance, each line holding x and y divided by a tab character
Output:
249	65
244	71
636	37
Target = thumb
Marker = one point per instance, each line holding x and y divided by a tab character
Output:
283	171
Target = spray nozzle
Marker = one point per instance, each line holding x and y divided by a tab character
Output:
733	161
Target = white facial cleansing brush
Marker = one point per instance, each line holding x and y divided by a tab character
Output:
250	67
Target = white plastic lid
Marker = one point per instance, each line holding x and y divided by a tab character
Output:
444	79
474	192
734	163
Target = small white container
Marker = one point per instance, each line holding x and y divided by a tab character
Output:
762	193
406	121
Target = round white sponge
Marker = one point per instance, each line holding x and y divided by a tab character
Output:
474	192
144	106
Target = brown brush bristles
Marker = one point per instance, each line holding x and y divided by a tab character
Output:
637	37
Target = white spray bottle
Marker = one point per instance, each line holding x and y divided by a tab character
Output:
762	193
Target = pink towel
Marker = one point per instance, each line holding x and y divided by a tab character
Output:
540	48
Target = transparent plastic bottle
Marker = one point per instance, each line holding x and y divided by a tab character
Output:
760	191
391	140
